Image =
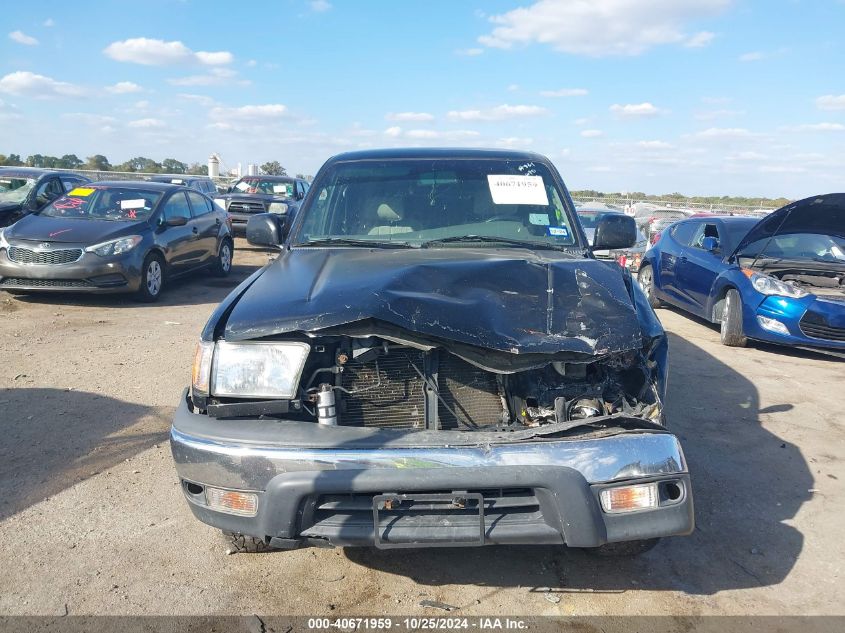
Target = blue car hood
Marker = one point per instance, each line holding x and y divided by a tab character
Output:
824	215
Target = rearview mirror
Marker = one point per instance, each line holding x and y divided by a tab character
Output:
265	229
176	221
614	231
710	244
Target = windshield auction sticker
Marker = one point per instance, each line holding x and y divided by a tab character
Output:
507	189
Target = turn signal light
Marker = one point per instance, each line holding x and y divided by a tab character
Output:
232	502
629	498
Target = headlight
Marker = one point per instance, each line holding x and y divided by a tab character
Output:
114	247
250	370
279	208
767	285
221	203
3	242
201	371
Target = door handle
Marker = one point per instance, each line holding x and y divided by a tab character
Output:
195	230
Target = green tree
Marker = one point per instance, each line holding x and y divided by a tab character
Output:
70	161
12	160
140	163
273	168
173	166
98	162
35	160
196	169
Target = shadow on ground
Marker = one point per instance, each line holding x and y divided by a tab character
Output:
52	440
747	483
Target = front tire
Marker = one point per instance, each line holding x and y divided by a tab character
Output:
223	264
152	278
646	280
731	331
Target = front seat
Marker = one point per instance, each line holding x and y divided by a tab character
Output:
389	215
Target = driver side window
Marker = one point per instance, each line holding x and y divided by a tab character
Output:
704	230
177	207
48	191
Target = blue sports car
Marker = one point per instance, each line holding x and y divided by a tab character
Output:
780	279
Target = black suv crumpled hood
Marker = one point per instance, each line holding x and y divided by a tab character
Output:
500	299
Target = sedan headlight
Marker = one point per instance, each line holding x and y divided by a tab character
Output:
220	203
3	242
114	247
767	285
249	370
279	208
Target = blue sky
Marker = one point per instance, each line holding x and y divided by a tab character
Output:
714	97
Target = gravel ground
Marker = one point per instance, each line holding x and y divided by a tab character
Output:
93	520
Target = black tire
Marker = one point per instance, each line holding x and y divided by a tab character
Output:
731	330
223	263
241	544
152	278
645	278
623	549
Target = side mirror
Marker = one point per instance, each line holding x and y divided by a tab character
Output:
177	221
264	229
710	244
614	231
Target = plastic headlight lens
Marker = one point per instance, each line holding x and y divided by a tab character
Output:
201	371
115	247
279	208
221	203
3	242
767	285
258	370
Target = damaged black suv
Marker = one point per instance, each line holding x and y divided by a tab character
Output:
434	359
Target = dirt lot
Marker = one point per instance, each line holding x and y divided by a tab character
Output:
93	522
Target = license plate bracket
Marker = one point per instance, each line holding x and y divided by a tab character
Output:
411	502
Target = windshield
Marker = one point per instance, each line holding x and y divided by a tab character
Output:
254	184
792	246
119	204
15	189
417	201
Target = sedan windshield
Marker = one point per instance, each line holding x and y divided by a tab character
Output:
448	203
797	246
119	204
15	189
261	185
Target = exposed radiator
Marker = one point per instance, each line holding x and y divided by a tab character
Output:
471	393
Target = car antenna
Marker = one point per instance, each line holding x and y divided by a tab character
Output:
771	237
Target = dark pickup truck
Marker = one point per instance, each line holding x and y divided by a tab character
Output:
435	358
279	195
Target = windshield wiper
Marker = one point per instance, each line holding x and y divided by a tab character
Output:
469	239
351	241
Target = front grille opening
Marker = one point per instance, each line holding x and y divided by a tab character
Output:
60	256
815	325
18	282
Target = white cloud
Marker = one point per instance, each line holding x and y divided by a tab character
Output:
49	22
513	87
151	52
22	38
202	100
441	135
749	156
591	133
515	142
25	83
700	40
469	52
252	63
654	145
831	102
582	121
709	115
8	112
601	27
91	120
124	87
565	92
320	6
754	56
410	116
499	113
214	77
147	124
256	113
814	127
782	169
632	110
394	131
725	133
